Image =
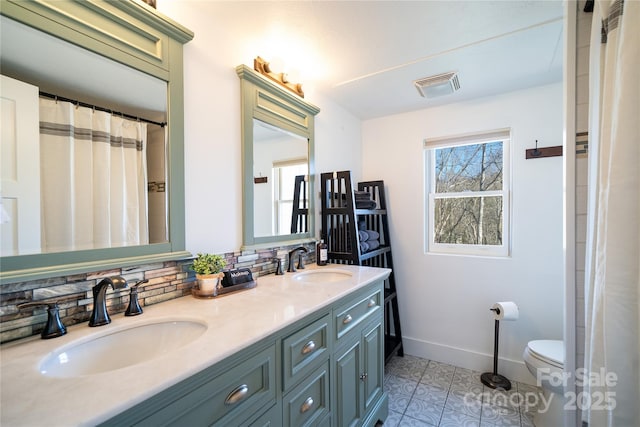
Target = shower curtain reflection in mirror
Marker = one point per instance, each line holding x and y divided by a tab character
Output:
93	178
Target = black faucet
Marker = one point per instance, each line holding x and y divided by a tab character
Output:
54	327
99	315
292	268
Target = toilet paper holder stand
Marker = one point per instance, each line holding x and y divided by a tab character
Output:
494	379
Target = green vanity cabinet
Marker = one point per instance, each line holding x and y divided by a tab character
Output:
325	369
359	361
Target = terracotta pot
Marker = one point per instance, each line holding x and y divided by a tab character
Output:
207	283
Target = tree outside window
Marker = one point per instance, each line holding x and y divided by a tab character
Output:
468	196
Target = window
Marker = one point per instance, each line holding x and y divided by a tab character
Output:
284	174
468	194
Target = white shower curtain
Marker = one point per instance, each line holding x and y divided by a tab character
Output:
612	338
93	178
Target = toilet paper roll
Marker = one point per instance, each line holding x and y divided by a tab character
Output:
506	310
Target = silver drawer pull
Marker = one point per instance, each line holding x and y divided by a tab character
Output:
308	347
372	303
347	319
308	404
237	395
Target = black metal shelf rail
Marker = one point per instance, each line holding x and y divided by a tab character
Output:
339	229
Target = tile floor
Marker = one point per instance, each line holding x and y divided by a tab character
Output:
428	393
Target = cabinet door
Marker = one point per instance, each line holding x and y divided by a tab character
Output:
348	389
373	363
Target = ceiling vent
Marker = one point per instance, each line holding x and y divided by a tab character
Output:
441	84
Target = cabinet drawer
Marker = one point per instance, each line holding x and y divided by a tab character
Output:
304	350
308	403
356	311
271	418
229	398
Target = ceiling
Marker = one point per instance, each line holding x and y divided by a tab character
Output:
365	55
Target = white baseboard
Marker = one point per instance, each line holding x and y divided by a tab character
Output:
514	370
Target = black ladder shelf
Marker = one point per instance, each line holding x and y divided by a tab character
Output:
300	210
343	220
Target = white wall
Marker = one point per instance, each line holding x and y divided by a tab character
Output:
445	300
212	125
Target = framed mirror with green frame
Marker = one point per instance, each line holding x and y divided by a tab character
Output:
277	163
147	49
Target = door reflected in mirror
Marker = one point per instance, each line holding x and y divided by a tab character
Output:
74	176
280	190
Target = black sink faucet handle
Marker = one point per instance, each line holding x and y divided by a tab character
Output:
279	269
134	308
300	265
54	327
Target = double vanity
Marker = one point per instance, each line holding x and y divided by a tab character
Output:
304	348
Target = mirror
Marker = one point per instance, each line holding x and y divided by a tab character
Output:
118	64
277	147
97	179
281	174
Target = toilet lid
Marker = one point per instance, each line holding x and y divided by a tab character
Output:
551	351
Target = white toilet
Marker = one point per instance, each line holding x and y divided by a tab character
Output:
545	361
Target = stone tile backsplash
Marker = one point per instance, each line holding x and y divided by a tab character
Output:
167	280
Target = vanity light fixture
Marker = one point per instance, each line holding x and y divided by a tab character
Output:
438	85
262	66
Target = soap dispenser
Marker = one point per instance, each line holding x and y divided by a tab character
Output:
322	253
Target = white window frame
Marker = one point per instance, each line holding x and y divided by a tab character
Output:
430	146
277	190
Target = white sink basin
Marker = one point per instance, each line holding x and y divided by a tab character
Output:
324	275
120	349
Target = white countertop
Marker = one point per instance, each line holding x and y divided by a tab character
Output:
233	322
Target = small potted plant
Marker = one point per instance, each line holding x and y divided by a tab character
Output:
208	269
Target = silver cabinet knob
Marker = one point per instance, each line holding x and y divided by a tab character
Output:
347	319
308	347
306	405
372	303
